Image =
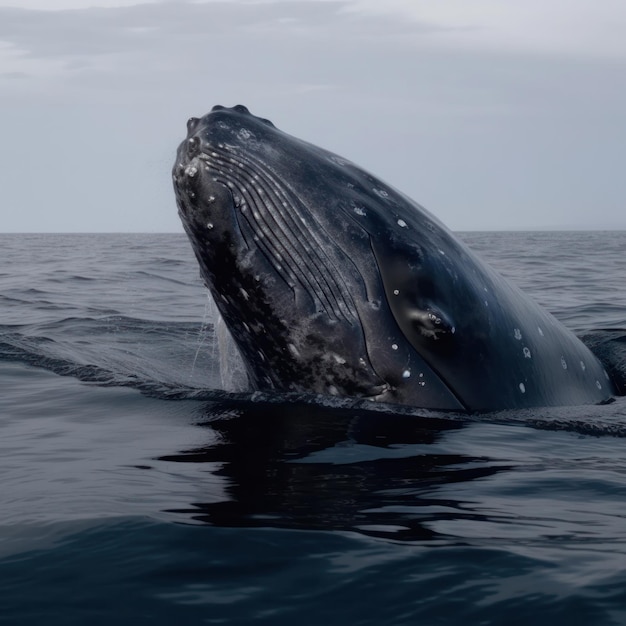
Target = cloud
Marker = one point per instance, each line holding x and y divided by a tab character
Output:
574	27
64	5
270	50
221	28
486	134
579	27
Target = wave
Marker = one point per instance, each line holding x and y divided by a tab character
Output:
152	356
191	361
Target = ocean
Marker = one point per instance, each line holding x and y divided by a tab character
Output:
135	490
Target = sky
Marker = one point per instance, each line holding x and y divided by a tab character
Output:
493	114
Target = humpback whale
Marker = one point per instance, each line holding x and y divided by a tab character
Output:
333	282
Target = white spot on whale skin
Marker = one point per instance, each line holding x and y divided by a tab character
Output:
360	211
396	292
406	374
563	363
522	387
191	171
583	367
209	225
517	333
394	346
540	331
380	192
527	354
441	252
293	350
598	384
244	133
606	375
333	391
402	224
244	293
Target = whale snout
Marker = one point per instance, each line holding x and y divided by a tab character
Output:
192	124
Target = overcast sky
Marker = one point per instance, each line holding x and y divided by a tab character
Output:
494	114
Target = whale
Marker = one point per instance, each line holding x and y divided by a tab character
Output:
332	282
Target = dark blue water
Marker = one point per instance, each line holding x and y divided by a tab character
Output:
132	494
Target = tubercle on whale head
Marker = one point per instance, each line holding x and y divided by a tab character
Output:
239	108
223	128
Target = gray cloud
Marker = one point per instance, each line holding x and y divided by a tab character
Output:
75	33
485	138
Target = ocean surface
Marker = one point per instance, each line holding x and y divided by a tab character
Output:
135	490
